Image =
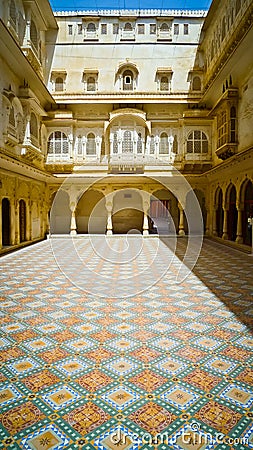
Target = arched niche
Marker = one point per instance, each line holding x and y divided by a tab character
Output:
246	196
127	215
164	211
60	214
91	214
232	212
196	226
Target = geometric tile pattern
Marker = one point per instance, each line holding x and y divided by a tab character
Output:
81	370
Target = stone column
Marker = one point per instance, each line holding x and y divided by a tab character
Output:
109	207
181	231
225	224
207	232
239	237
73	227
214	231
145	205
13	236
17	222
29	220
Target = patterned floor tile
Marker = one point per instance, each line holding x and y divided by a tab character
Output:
152	417
46	438
83	370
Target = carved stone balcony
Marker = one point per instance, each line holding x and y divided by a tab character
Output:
226	151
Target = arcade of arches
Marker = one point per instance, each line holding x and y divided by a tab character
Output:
126	210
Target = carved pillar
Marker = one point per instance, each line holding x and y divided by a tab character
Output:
29	220
207	231
145	205
13	213
73	226
215	222
239	237
109	208
225	224
181	231
17	222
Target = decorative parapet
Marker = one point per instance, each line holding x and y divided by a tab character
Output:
136	12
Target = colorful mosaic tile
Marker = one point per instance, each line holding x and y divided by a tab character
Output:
60	397
152	417
21	417
40	380
86	418
171	366
22	366
148	380
120	397
202	380
122	366
238	395
71	366
118	437
8	394
179	397
46	438
218	416
220	365
94	380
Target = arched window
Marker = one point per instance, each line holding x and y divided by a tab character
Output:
59	84
91	27
196	84
79	145
197	142
164	27
91	144
13	14
163	145
58	143
12	121
34	35
152	145
127	144
127	80
115	143
222	128
233	124
91	84
175	145
128	27
34	125
139	143
164	85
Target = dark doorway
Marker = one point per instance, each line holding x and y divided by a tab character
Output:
6	222
248	212
232	215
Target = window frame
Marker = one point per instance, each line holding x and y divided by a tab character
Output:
194	141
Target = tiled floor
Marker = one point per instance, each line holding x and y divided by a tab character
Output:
113	344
